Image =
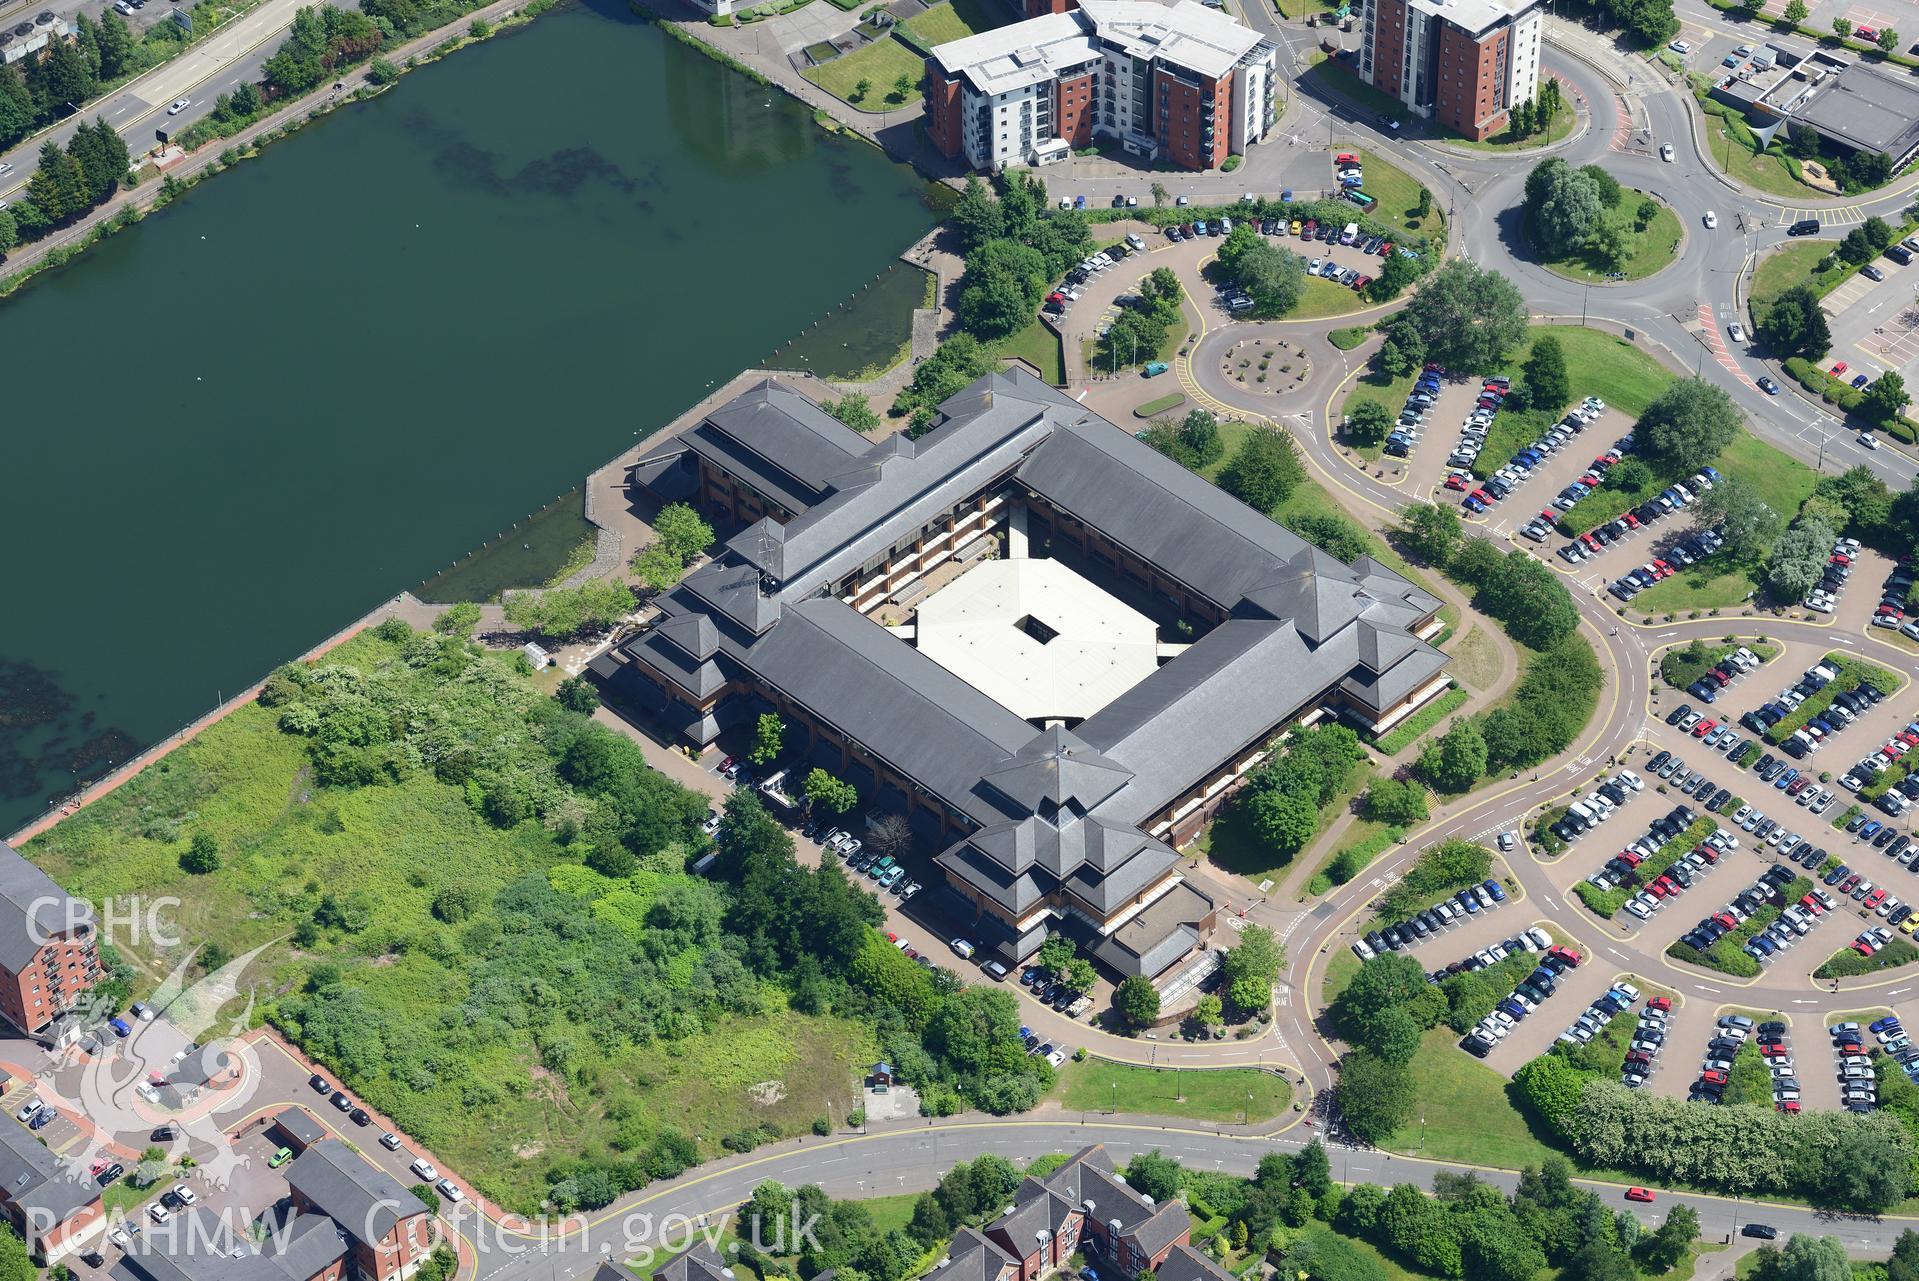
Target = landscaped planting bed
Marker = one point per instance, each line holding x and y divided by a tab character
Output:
1728	955
1404	734
1853	672
1847	963
1606	903
1679	667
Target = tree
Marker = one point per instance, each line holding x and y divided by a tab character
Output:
1842	27
1395	360
1798	559
682	530
1467	317
1251	966
1457	759
769	739
1375	1097
1564	206
1687	425
1160	194
382	71
658	567
576	694
459	620
1810	1258
1888	40
862	88
829	793
1887	396
1155	1175
1331	532
1598	1261
1795	11
1663	1250
1795	325
202	855
1402	804
1265	469
1749	522
853	410
1137	1000
976	216
1283	820
1209	1011
1393	1034
1368	422
69	77
902	87
1546	383
1431	532
1382	983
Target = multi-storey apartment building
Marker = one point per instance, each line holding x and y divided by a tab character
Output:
388	1232
1183	83
49	957
1464	63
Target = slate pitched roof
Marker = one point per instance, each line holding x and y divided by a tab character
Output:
362	1198
33	910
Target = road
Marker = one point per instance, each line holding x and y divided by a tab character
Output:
215	66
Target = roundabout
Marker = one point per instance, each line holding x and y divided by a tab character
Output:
1267	366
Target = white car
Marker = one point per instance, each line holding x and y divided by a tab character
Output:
1869	440
186	1194
158	1213
179	106
424	1168
1680	47
32	1106
5	167
1665	152
1712	220
1736	332
450	1190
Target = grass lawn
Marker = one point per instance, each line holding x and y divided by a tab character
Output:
1597	364
1764	172
284	838
1337	82
1204	1094
1300	8
1398	195
1476	660
1468	1114
1561	127
1039	346
1792	264
955	20
1707	585
1154	408
1715	583
1652	249
1319	297
882	63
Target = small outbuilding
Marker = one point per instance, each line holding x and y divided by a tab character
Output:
296	1128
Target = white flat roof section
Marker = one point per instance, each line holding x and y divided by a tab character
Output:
1012	57
1037	638
1475	16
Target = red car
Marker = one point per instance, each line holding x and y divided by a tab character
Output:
1362	282
1642	1194
1345	158
1813	905
1484	497
1565	954
1868	34
1789	1106
1839	368
1861	947
1874	899
1456	482
1704	728
1840	558
1660	1003
1713	1076
1385	250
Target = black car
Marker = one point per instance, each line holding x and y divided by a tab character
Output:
165	1134
361	1116
94	1259
111	1173
1764	1231
172	1200
1804	227
341	1101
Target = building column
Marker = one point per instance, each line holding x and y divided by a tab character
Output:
1016	532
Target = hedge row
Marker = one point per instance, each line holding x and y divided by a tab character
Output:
1847	963
1403	735
1853	672
1728	955
1605	904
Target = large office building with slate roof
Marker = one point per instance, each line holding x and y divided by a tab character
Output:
55	1204
388	1231
1063	812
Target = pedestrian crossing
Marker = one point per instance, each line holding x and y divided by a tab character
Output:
1715	340
1844	216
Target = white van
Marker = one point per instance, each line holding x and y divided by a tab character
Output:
1349	235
